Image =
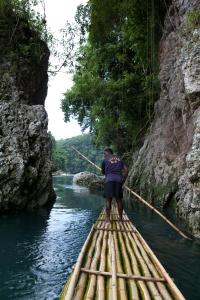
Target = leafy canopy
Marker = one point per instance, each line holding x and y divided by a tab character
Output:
115	80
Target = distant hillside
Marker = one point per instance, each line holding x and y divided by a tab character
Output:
67	160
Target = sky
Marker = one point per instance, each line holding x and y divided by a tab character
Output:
58	13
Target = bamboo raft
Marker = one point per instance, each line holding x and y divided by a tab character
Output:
116	263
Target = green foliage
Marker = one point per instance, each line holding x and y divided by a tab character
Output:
58	155
66	159
193	19
24	31
116	82
23	10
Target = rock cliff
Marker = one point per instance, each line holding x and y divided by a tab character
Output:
25	149
166	170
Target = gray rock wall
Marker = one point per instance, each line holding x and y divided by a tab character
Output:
167	168
25	148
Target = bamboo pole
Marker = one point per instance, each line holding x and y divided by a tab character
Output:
113	267
151	267
142	286
148	266
101	279
109	282
92	282
117	230
157	267
161	287
140	282
86	158
157	211
94	258
176	293
171	285
81	285
134	294
76	272
127	267
152	287
140	198
121	283
116	220
121	275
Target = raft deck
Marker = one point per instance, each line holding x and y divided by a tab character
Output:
116	263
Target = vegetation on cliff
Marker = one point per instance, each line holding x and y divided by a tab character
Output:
23	53
67	160
116	73
15	12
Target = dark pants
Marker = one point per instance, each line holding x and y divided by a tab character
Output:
113	189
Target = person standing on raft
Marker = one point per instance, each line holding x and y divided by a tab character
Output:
115	173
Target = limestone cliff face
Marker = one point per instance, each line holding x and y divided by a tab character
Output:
167	168
25	149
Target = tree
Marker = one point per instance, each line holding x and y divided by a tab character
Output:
116	78
66	159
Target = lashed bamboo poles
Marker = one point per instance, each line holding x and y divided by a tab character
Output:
127	268
76	272
152	261
149	268
80	289
146	258
158	268
173	288
141	284
142	261
136	258
140	198
92	281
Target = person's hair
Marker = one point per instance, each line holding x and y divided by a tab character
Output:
109	150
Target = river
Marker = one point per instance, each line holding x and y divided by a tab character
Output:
39	249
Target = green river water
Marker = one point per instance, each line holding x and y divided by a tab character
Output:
38	249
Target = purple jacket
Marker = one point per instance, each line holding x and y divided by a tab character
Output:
112	168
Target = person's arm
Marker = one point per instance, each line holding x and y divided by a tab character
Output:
103	167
